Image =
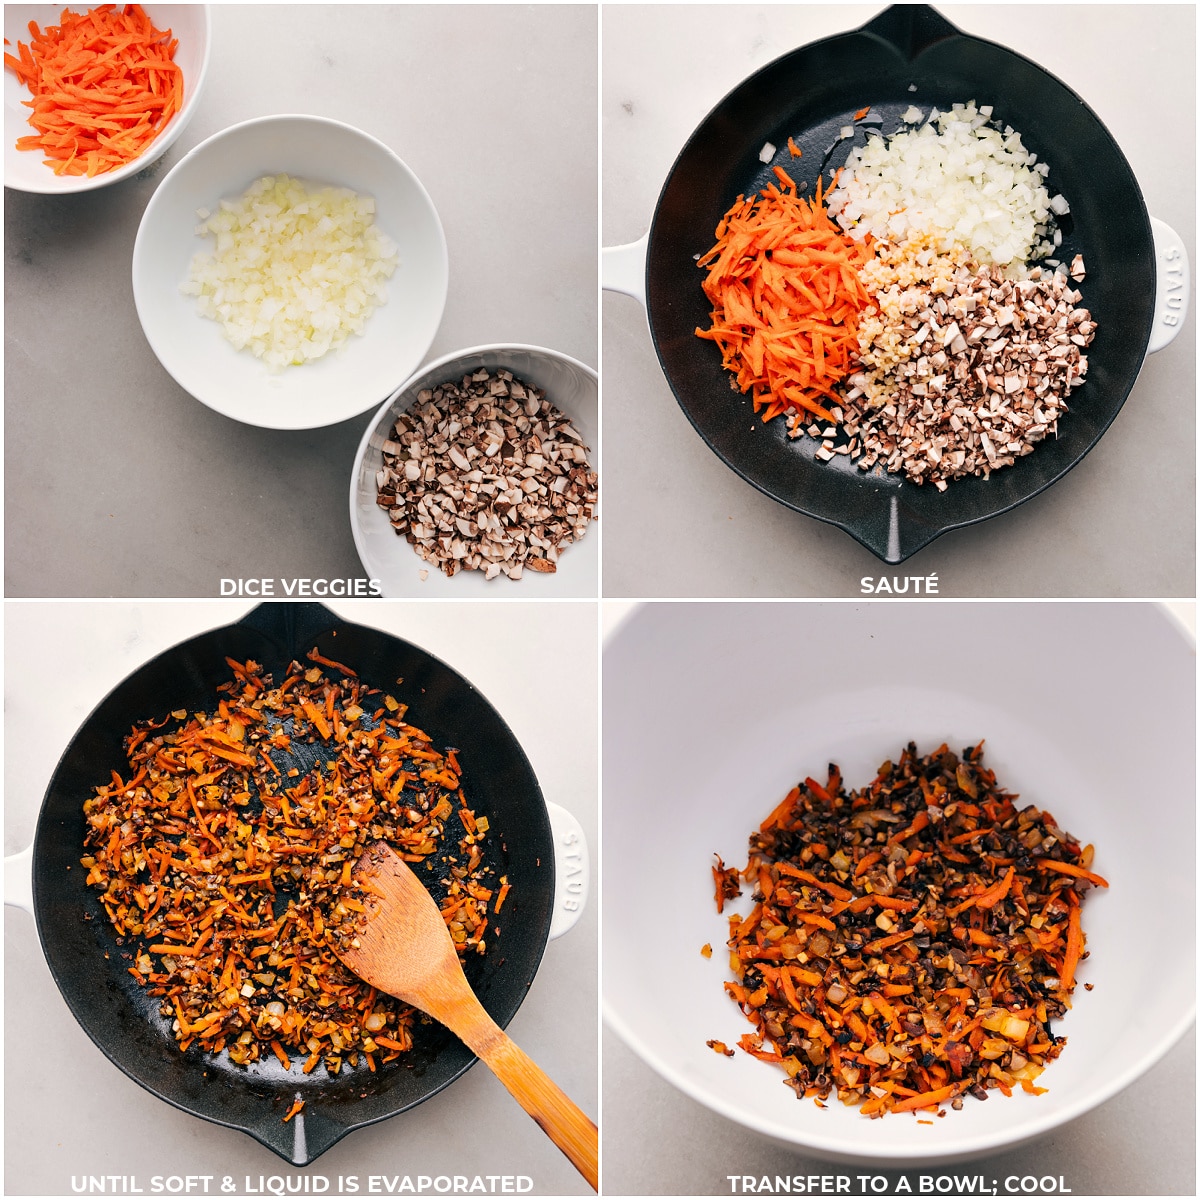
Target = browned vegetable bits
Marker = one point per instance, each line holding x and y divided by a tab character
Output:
224	861
484	474
910	942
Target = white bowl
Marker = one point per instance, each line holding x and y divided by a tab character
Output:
712	712
25	170
571	387
343	383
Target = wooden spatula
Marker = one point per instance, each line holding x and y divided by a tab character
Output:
402	947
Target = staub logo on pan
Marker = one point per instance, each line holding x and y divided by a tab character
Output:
573	890
1176	297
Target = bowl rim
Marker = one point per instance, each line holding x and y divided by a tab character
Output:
837	1147
157	148
233	412
437	364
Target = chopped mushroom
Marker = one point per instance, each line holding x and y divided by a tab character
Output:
485	474
910	942
223	861
963	370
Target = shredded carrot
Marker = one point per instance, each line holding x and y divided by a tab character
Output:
919	823
231	881
391	1043
898	972
925	1099
862	112
783	283
988	898
726	879
313	656
867	861
794	150
1074	949
297	1105
103	86
893	940
1065	868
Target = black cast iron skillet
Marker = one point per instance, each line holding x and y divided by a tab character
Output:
809	95
90	968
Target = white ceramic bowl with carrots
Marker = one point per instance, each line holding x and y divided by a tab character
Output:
713	712
26	170
344	382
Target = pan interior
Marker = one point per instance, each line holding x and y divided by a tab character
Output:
810	95
90	966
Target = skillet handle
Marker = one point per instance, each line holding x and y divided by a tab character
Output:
18	879
623	268
572	870
1172	288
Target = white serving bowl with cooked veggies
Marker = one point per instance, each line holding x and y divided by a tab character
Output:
345	381
570	387
713	712
26	170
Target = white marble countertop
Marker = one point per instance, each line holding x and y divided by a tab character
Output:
117	482
679	523
69	1112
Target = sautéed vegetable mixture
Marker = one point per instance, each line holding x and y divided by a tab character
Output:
224	861
910	942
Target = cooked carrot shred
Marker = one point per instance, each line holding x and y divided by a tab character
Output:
103	86
229	883
899	972
1074	949
313	656
1065	868
925	1099
783	283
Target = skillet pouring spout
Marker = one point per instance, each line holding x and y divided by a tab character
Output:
910	28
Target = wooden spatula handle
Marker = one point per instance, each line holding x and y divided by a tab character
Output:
562	1120
404	948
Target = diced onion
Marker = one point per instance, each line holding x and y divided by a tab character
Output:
296	270
958	178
